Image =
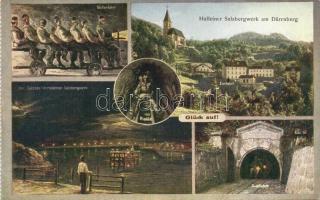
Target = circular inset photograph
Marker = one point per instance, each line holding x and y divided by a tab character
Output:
147	91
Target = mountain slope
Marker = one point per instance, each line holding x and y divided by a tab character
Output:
261	39
148	41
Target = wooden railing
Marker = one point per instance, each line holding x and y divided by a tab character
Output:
50	174
104	181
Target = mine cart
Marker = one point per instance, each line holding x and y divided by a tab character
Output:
95	52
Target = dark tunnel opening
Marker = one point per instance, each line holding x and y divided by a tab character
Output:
260	164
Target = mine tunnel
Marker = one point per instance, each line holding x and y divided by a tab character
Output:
260	164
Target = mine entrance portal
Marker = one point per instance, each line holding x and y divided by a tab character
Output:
260	164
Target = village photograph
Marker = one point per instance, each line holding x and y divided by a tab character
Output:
69	39
240	59
69	138
255	157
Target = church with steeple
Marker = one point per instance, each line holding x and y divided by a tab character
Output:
174	34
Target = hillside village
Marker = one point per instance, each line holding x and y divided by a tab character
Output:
254	72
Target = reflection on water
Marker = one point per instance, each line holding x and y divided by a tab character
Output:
147	172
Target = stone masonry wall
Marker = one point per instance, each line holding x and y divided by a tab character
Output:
210	168
301	176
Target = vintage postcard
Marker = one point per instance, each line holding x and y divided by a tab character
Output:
69	39
61	131
240	59
159	100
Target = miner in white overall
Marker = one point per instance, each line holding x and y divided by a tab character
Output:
83	172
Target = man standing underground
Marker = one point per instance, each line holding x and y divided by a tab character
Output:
83	172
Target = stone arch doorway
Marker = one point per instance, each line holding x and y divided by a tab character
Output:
259	164
231	165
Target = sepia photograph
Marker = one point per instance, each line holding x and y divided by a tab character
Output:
68	39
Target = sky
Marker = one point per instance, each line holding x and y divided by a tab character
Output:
185	17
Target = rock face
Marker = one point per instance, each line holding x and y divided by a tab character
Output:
210	168
25	156
301	176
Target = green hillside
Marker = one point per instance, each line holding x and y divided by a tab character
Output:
274	39
147	41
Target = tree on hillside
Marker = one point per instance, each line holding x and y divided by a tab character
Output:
148	41
279	68
290	100
269	63
219	64
294	51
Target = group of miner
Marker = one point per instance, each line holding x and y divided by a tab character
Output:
60	41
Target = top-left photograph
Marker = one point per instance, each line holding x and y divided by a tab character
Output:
69	39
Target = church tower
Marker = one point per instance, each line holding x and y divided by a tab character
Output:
166	23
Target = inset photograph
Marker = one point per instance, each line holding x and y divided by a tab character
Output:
255	157
69	138
69	39
147	91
